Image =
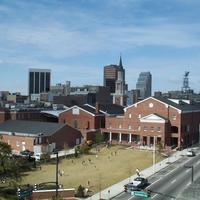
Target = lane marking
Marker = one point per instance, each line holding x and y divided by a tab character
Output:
198	162
154	196
188	184
173	181
130	198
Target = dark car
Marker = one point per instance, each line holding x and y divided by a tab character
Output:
143	181
131	187
26	153
138	184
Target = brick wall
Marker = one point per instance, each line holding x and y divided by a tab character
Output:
66	135
17	142
67	194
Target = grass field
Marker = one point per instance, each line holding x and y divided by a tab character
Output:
96	171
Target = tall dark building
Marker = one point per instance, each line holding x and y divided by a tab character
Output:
114	79
39	80
111	75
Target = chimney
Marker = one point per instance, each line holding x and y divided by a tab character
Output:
97	108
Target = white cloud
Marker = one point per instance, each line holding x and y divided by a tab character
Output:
61	42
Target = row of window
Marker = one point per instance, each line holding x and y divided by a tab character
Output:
139	116
145	128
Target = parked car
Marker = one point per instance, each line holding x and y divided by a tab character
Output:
38	156
26	153
138	184
190	153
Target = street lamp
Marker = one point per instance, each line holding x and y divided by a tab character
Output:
56	152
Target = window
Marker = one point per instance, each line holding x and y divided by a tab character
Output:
129	115
75	123
152	129
139	128
129	127
139	116
158	129
150	105
174	117
145	128
120	126
8	142
110	125
64	121
187	128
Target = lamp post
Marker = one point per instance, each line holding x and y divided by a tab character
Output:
192	168
56	152
154	153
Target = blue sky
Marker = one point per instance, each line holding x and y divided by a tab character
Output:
76	38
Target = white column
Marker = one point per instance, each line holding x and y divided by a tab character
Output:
110	137
120	137
130	138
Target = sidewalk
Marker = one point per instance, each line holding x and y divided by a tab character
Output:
117	188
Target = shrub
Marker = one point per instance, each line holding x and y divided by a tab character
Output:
80	191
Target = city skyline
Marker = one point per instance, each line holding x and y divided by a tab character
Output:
76	39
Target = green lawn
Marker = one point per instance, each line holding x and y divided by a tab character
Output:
99	169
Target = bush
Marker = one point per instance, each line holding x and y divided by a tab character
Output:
80	191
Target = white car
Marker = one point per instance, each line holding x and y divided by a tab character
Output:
37	156
190	153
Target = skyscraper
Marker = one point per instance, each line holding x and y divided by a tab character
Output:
110	76
39	81
114	79
144	84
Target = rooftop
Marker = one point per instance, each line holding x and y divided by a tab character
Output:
30	127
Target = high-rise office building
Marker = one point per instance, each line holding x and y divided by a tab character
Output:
39	81
110	76
144	84
114	79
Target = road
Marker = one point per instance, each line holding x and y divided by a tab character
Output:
169	182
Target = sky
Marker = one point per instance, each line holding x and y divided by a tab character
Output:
77	38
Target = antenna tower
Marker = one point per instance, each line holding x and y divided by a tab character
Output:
186	87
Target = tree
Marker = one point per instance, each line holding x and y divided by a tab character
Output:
99	137
80	191
160	147
5	160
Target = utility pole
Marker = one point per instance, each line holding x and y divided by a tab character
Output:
56	152
154	153
192	171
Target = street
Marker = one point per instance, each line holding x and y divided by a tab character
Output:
170	181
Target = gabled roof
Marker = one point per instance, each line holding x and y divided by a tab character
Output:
153	118
182	106
86	108
105	109
34	128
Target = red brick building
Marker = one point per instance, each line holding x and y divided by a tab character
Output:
38	136
171	122
88	119
85	118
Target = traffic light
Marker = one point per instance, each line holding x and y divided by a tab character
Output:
125	188
19	192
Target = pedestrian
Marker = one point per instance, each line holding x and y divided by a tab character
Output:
137	172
